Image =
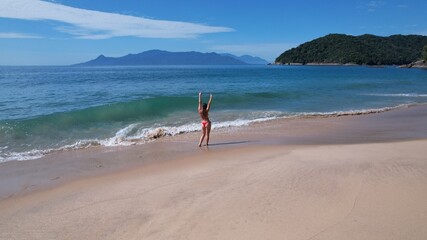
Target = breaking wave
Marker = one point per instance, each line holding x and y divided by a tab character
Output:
135	134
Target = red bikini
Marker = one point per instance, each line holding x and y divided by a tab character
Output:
204	123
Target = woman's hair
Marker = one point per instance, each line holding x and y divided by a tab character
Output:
205	106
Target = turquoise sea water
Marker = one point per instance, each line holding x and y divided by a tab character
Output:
46	109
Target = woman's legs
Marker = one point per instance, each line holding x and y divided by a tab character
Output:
209	132
203	136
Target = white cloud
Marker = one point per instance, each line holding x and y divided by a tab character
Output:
268	51
99	25
373	5
17	35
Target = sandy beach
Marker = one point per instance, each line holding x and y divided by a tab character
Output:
349	177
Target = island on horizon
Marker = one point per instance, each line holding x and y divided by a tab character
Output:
160	57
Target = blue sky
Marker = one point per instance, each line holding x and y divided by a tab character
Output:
60	32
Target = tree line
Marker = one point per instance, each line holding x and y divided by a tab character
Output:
425	52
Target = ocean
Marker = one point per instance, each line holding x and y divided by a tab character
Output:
48	109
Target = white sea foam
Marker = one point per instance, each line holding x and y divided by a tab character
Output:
119	138
412	95
132	134
352	112
22	156
37	153
143	135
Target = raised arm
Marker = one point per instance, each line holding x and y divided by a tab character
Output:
200	101
209	103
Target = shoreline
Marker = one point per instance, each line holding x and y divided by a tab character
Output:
420	64
154	134
370	127
359	176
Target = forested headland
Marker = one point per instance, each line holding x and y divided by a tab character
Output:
362	50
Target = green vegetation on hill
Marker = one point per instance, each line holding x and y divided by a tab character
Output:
425	52
365	49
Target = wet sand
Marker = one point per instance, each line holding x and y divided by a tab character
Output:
350	177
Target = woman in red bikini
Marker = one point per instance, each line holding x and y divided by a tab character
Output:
204	115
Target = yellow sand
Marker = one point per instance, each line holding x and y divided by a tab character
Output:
358	191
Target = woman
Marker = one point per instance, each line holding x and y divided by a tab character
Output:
204	115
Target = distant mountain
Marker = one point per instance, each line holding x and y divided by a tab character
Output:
365	50
158	57
247	59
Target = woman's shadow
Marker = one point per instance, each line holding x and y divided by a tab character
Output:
229	143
